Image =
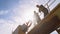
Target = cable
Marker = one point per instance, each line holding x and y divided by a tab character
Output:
52	3
47	2
49	5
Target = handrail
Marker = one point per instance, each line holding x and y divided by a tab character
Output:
49	4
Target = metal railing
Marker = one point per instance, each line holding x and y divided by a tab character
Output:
48	5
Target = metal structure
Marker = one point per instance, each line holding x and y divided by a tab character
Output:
50	23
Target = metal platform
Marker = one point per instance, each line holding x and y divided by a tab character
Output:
50	23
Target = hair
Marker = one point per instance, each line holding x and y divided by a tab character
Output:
37	6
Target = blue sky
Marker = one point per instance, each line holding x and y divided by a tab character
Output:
17	12
8	4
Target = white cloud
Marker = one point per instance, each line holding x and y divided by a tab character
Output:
18	20
26	9
23	12
6	27
3	12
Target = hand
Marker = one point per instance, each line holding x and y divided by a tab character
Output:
29	23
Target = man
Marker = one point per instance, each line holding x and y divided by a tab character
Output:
43	9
